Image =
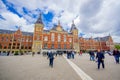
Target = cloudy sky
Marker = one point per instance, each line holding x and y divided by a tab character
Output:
94	18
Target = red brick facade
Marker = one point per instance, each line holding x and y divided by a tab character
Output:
12	41
55	39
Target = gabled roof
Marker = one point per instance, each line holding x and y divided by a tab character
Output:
55	27
2	31
27	33
102	38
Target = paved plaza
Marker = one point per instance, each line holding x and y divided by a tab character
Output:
27	67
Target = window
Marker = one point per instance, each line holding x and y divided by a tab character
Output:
26	40
52	46
2	38
7	39
22	47
29	47
45	38
45	45
18	47
71	46
59	38
65	46
25	47
13	47
59	47
38	37
70	39
64	38
22	39
52	37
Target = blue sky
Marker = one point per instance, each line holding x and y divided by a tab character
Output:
94	18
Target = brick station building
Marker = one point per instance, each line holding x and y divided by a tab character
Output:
55	39
12	41
103	43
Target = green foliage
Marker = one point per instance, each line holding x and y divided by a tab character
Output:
16	53
117	47
21	52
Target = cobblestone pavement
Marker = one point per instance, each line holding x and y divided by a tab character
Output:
36	68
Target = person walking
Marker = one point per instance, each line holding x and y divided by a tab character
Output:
51	58
100	59
33	53
80	52
116	55
92	56
72	54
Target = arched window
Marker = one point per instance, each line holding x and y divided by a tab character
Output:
70	39
45	45
52	37
45	38
59	38
64	38
38	37
65	46
59	46
52	46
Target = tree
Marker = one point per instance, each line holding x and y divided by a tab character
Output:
117	47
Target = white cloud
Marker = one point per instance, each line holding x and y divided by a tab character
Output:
98	17
12	20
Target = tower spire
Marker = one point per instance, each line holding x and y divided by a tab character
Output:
58	22
39	20
72	21
73	27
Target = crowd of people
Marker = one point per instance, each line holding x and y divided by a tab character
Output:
100	56
97	56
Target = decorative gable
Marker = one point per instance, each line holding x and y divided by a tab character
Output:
58	28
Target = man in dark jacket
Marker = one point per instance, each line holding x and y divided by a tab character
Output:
100	57
116	54
51	58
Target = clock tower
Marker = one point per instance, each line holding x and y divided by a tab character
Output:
74	31
37	37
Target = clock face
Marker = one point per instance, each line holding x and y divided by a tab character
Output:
59	29
38	29
75	32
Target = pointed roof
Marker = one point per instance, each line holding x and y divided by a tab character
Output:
73	27
39	20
